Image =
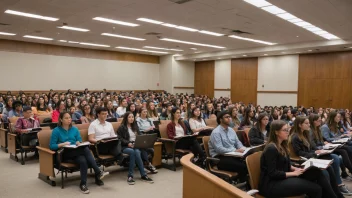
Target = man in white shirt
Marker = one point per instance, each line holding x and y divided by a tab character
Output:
99	129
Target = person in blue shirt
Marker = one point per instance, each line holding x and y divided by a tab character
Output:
223	139
66	134
16	109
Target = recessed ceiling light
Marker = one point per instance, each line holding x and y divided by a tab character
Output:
244	55
31	15
93	44
321	32
38	37
191	43
313	29
253	40
73	28
115	21
63	41
304	24
193	48
7	34
296	20
121	36
186	28
286	16
258	3
73	42
211	33
168	25
151	47
149	20
274	9
297	36
142	50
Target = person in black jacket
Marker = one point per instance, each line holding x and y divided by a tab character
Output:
301	144
127	133
279	179
258	134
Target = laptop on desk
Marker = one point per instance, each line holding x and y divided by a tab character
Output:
145	141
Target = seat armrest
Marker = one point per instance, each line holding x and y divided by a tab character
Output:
46	150
12	134
252	192
213	159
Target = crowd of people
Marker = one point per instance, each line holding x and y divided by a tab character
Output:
283	129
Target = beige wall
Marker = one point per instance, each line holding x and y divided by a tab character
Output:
22	71
183	76
222	78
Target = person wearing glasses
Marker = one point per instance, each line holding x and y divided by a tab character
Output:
223	139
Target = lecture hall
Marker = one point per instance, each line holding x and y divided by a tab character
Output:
176	98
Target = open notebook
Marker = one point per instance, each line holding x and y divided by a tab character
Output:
342	140
317	163
238	154
75	146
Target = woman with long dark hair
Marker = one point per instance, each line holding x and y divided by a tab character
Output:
259	134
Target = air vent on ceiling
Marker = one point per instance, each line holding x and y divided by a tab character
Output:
4	24
232	31
180	1
152	33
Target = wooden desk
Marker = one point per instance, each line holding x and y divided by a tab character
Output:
157	154
11	145
3	139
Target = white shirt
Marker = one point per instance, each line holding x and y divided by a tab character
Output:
101	131
195	124
132	135
121	111
179	131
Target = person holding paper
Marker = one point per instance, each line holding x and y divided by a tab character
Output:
302	147
223	140
177	130
197	123
66	134
100	129
318	141
278	178
258	134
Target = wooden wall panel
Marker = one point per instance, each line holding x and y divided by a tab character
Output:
56	50
325	80
244	75
204	78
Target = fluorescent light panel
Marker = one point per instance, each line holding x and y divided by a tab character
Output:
168	25
258	3
31	15
253	40
149	20
73	28
151	47
274	9
191	43
121	36
7	34
287	16
73	42
115	21
211	33
93	44
186	28
38	37
63	41
141	50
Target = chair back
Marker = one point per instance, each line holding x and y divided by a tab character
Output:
212	116
211	123
246	131
13	120
84	135
44	138
293	155
41	118
82	126
253	166
116	125
206	145
119	119
166	122
163	134
12	127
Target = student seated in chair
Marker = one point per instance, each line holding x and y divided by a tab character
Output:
278	178
197	123
127	133
223	139
16	109
27	122
166	115
146	125
258	134
177	130
100	129
66	134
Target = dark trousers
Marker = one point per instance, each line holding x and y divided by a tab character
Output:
234	164
190	143
84	158
145	153
110	148
346	154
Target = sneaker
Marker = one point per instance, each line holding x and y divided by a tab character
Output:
152	169
344	190
84	189
347	178
147	171
102	174
130	181
99	182
147	179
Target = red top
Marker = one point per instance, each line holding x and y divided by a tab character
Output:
55	116
171	130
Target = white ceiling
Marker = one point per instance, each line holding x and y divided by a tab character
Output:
333	16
